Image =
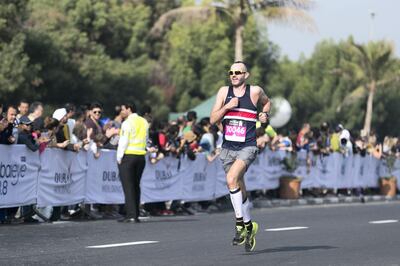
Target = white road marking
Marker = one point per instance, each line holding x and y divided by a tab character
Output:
59	222
124	244
286	228
383	222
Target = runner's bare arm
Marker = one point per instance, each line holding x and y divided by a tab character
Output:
219	108
265	102
266	106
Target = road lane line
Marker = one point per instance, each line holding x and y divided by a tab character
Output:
383	222
123	244
286	228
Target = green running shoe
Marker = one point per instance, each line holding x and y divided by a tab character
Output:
250	241
240	236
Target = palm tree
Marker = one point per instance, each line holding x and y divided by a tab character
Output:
373	67
237	12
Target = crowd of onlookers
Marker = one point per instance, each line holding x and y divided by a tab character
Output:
84	127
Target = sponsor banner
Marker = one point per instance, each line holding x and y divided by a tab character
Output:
61	180
103	184
58	177
19	168
161	181
198	179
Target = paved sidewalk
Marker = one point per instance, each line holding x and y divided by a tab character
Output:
264	203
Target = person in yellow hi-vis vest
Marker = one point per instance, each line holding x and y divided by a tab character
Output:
131	159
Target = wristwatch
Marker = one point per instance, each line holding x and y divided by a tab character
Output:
267	114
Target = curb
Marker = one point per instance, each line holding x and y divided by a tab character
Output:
263	203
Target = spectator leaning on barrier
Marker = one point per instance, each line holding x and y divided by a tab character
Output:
302	139
93	120
61	116
25	134
335	139
8	135
25	137
324	140
23	108
50	129
69	125
191	118
346	147
35	115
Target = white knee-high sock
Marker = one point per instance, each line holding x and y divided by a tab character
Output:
236	199
246	210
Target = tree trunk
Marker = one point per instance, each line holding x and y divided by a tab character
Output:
368	114
239	29
239	42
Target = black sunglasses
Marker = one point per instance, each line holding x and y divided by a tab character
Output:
231	73
97	112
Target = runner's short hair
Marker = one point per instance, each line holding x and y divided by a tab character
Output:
241	62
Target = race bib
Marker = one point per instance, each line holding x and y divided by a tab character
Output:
235	130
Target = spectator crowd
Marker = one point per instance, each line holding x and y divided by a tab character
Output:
85	128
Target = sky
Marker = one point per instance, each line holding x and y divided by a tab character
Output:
338	19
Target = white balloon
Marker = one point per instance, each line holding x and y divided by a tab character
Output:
281	112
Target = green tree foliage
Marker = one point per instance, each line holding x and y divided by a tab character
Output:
92	50
198	56
329	87
80	51
17	73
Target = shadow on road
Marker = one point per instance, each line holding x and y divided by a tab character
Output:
288	249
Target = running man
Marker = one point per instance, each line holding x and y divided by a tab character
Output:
236	106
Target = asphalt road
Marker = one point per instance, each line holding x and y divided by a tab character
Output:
312	235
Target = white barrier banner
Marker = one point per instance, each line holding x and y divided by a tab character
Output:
310	180
67	178
328	167
347	172
254	177
358	168
301	165
19	169
272	168
371	171
386	167
396	172
103	184
61	178
221	188
160	181
198	179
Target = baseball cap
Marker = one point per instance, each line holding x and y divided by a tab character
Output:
25	120
59	113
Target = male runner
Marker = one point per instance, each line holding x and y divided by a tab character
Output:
236	106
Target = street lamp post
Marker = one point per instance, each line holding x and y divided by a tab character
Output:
371	26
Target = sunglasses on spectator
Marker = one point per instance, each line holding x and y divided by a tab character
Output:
231	73
97	112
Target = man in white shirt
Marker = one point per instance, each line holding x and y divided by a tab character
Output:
131	159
